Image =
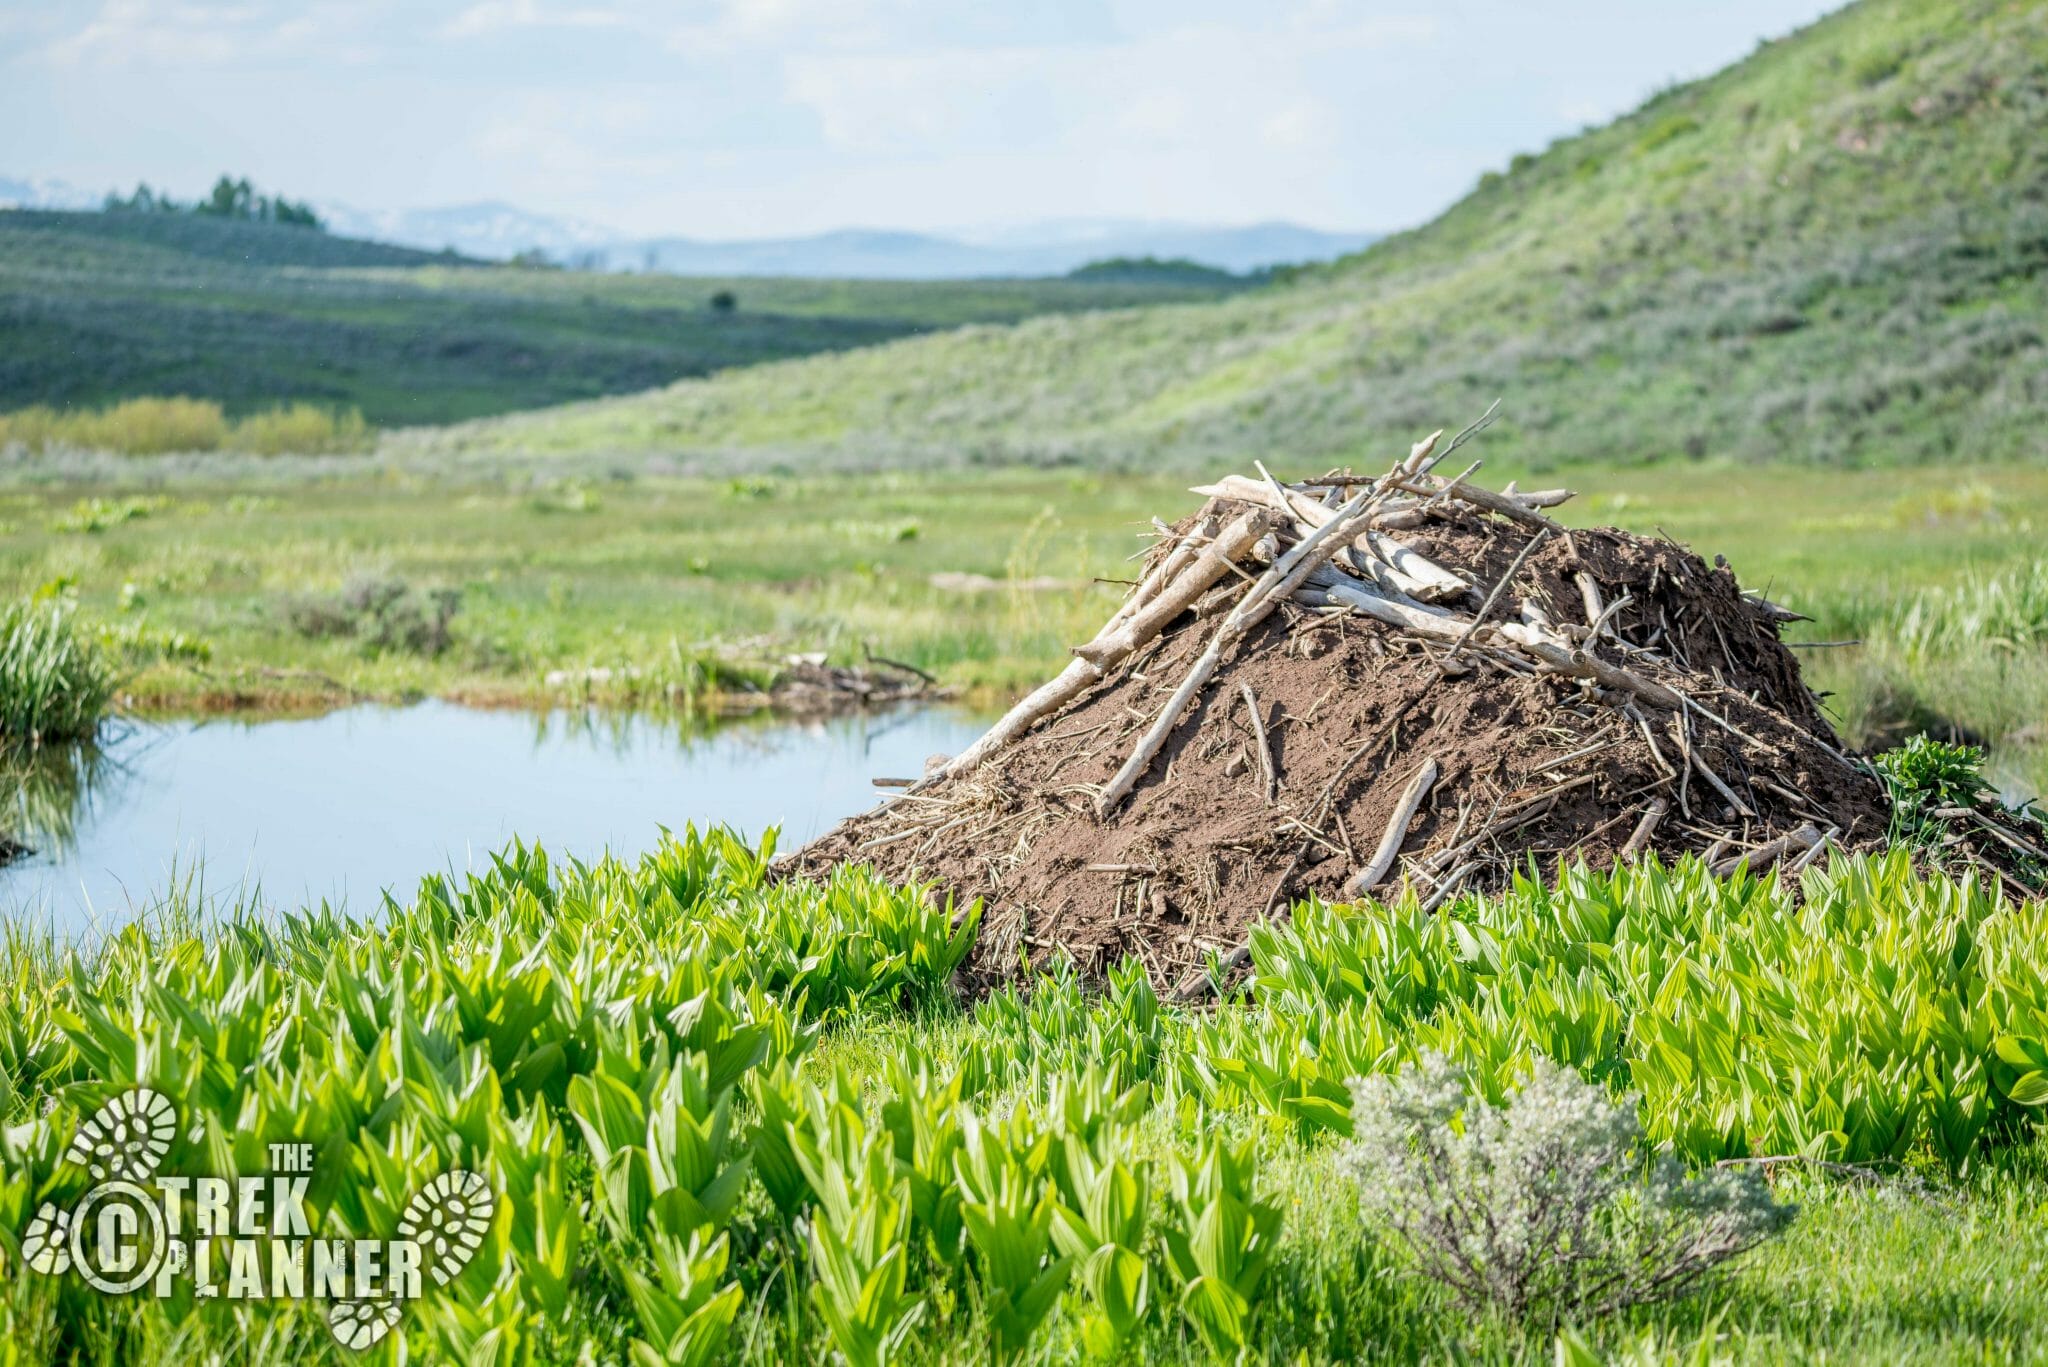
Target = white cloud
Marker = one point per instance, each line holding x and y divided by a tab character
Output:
949	100
763	117
1298	123
181	34
494	16
1157	116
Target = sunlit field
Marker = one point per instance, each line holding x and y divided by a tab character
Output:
210	592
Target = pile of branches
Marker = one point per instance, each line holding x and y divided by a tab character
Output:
1485	684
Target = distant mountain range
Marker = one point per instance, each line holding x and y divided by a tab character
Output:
43	193
1030	250
491	230
494	230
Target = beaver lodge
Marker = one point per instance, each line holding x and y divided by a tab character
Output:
1397	684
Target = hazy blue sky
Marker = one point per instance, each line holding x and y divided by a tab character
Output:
748	118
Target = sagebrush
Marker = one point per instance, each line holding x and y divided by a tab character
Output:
1547	1205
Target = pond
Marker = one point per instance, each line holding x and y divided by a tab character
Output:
343	806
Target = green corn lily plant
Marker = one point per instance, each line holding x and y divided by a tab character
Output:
1104	1206
859	1229
1007	1206
777	1099
696	1171
923	1117
1220	1242
685	1316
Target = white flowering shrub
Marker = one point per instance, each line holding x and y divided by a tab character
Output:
1547	1206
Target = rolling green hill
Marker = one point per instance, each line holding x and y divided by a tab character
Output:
96	307
1830	252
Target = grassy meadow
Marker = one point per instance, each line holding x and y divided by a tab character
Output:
216	594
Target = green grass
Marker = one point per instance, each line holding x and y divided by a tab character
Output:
607	1046
1828	254
101	307
55	682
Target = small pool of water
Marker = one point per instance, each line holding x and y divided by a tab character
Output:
346	805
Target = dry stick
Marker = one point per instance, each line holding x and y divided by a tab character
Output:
1609	824
1493	597
1815	851
1279	489
1765	855
1451	487
1272	589
1492	502
1120	640
1639	838
1422	450
1740	734
1328	586
1450	885
1589	594
1723	789
875	659
1432	580
1600	742
1391	564
1612	611
1201	982
1169	565
1796	799
1583	664
2005	837
1251	705
1116	644
1311	832
1397	829
1650	737
1437	860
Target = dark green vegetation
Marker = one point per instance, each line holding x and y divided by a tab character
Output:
229	198
102	306
1828	253
718	1113
1175	270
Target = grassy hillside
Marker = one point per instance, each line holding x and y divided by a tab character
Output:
1830	252
95	307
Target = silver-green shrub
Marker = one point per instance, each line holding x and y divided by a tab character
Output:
1547	1206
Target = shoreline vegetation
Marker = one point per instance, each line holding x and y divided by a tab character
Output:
576	583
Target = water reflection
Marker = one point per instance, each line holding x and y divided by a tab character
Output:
343	806
44	793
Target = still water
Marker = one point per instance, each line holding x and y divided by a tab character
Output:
346	805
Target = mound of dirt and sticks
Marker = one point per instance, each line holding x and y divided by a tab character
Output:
1336	686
